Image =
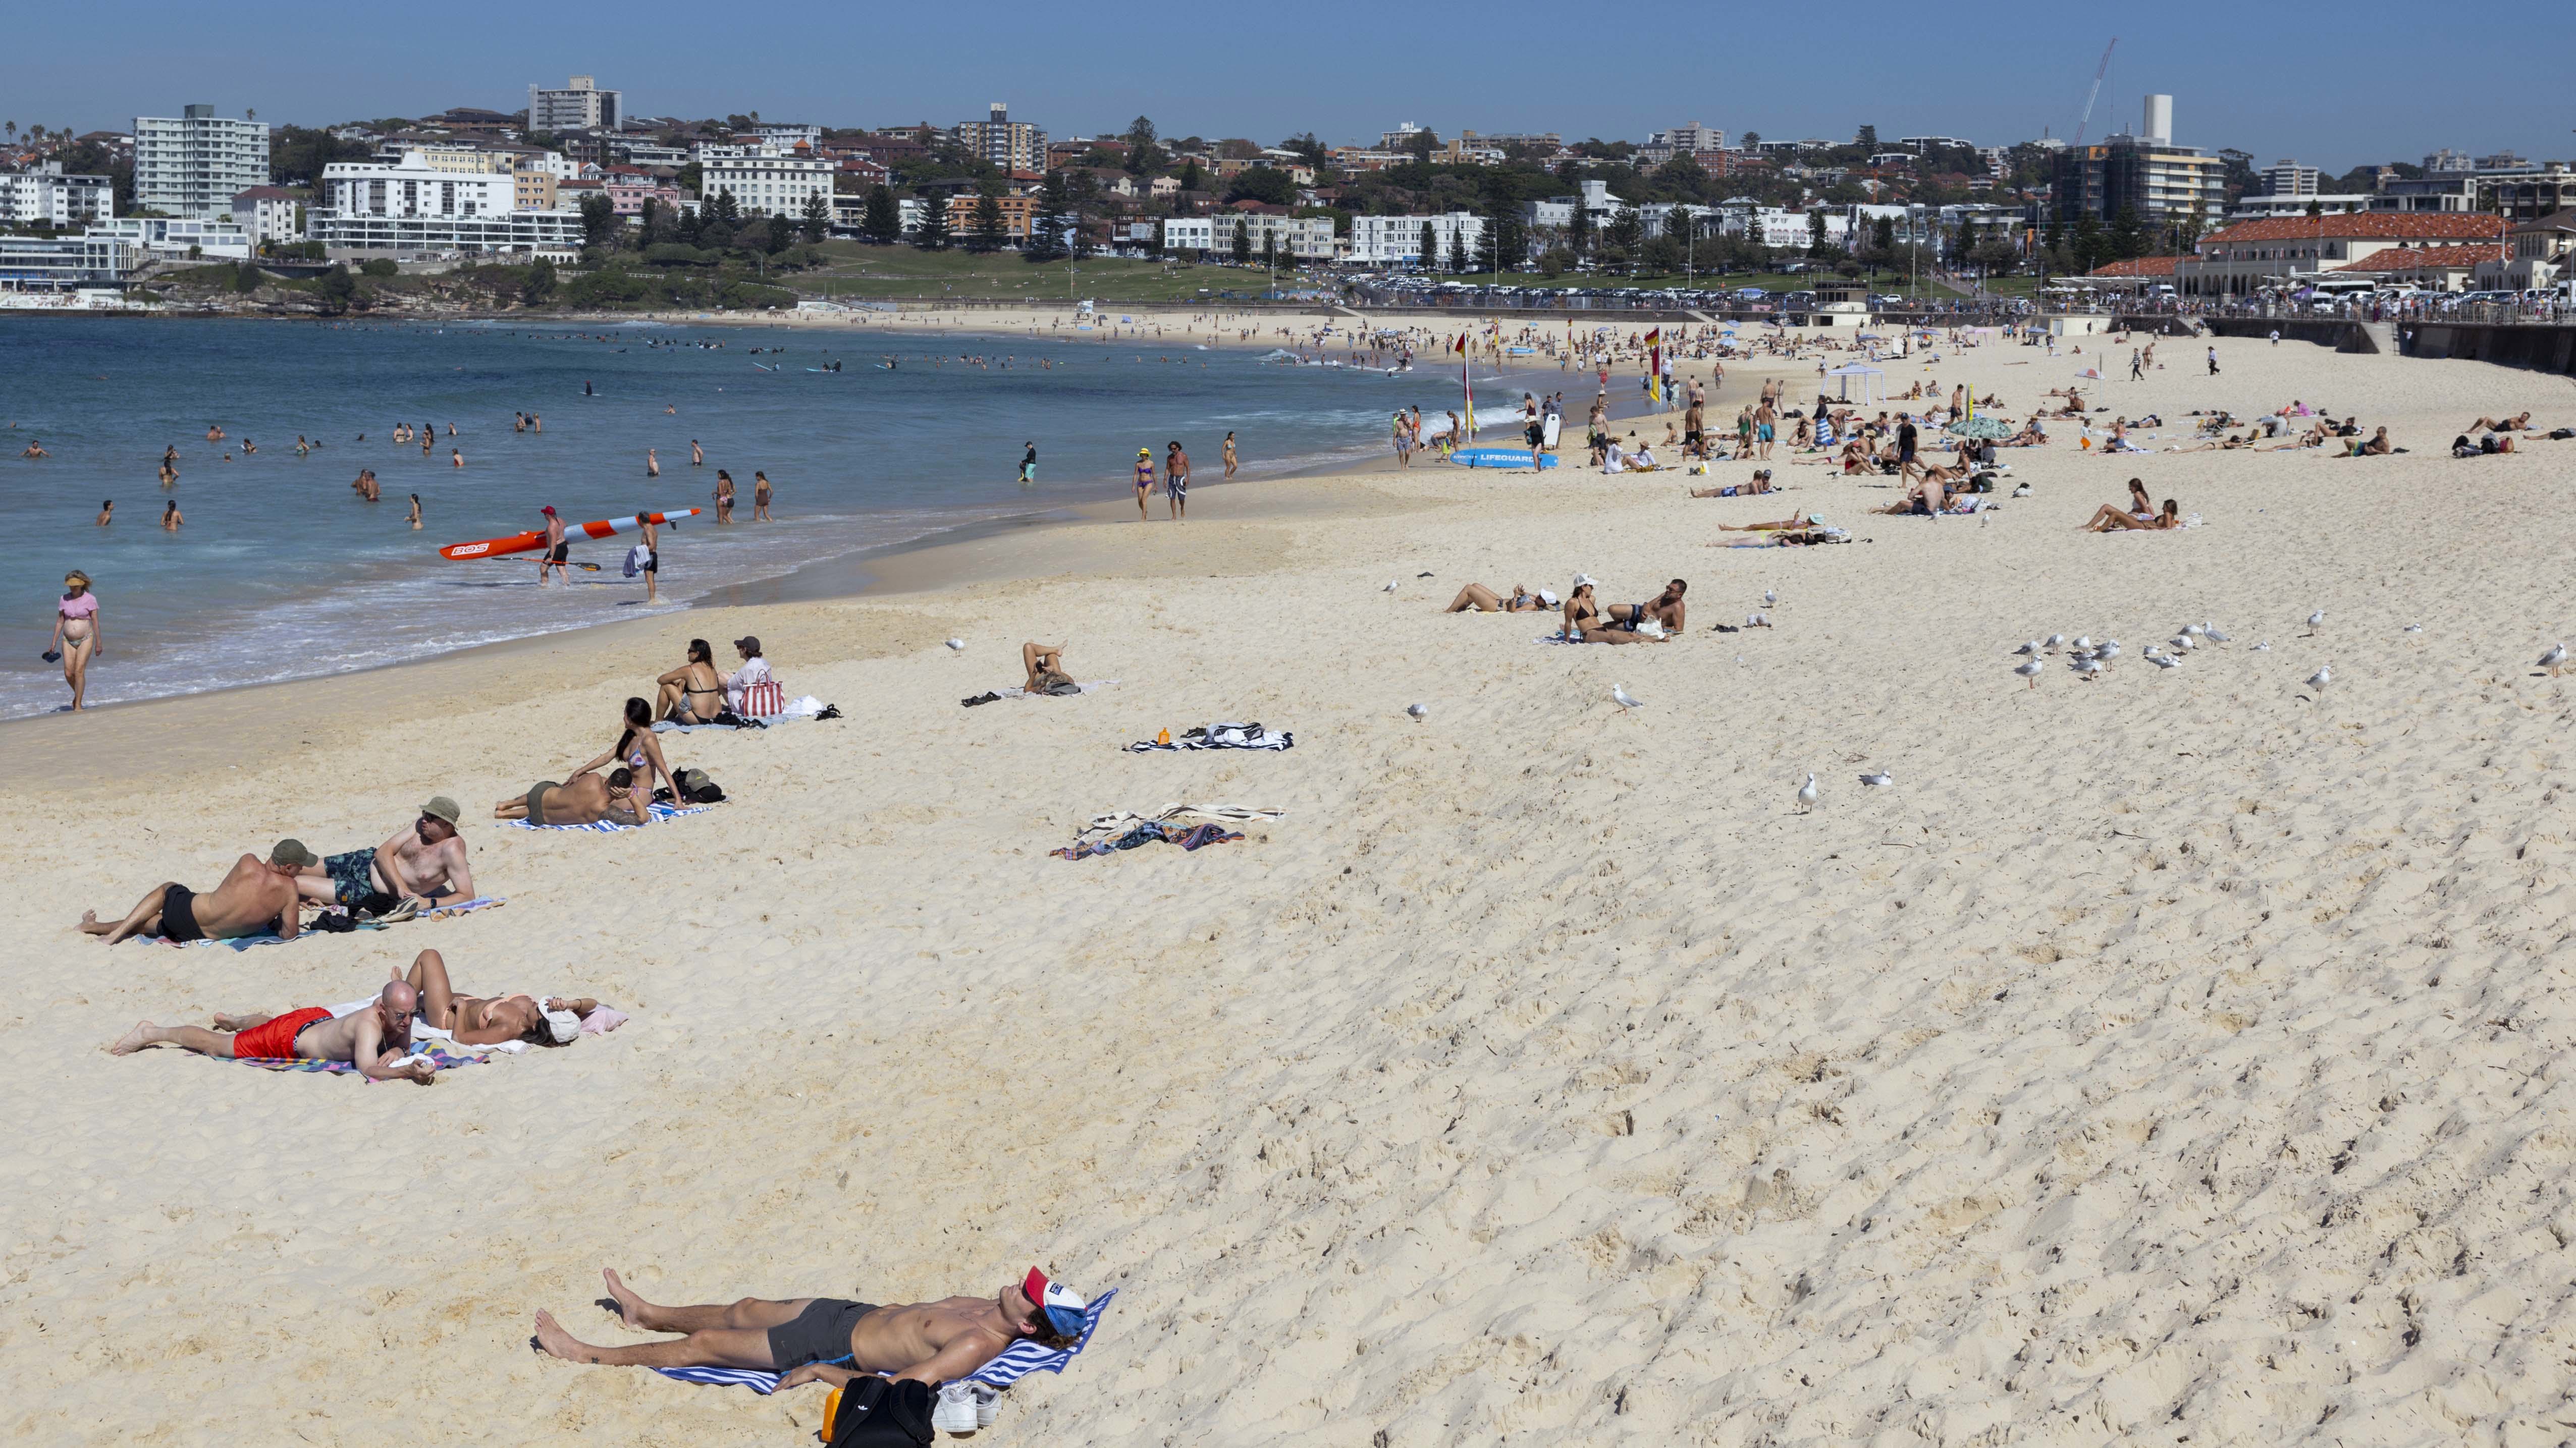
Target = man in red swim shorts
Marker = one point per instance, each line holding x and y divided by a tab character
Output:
376	1040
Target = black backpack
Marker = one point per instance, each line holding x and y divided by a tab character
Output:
882	1413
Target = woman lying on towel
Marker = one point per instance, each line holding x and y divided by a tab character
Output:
2109	519
1584	623
490	1020
1477	598
1761	484
584	799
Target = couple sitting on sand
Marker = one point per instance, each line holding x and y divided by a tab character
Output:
623	797
424	862
375	1036
694	693
834	1340
2140	515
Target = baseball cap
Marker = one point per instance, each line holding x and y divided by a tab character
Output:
440	807
548	510
292	852
748	643
1061	1305
562	1025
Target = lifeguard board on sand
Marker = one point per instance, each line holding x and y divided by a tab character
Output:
1498	457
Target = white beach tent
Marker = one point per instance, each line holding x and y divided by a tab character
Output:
1873	386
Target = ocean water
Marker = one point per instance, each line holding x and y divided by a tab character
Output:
280	571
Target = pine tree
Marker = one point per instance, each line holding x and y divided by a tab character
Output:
1430	247
1242	250
933	235
1046	223
1458	262
818	218
1578	231
882	224
985	233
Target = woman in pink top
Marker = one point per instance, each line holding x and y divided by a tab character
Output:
76	635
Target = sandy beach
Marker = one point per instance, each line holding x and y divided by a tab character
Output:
2167	1057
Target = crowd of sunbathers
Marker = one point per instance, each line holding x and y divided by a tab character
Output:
1583	619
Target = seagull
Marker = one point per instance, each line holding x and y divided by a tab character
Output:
2029	669
2109	650
1390	586
1770	598
2316	620
1807	795
1621	696
1416	710
957	644
2182	643
1757	620
2322	677
2193	630
2054	640
2022	492
2413	628
1879	779
2089	668
2028	650
2551	660
2083	643
2165	661
2264	647
2210	632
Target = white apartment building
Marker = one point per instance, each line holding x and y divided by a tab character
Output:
411	207
62	263
1775	227
45	196
1306	238
580	106
1397	240
789	135
267	213
2288	178
176	238
1011	145
777	185
196	163
1687	140
1557	212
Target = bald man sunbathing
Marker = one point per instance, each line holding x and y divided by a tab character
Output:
374	1040
828	1340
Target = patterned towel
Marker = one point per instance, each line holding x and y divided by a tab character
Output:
245	942
1188	837
1016	1362
438	1056
1198	739
604	827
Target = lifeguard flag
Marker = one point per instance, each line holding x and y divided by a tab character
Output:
1655	338
1461	348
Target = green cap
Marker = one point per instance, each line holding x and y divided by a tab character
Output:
440	807
292	852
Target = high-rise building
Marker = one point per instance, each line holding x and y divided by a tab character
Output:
580	106
1003	142
194	165
2289	178
2145	175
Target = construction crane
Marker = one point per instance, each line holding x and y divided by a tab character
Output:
2094	94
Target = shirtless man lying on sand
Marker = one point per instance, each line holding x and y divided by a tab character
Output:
256	896
424	861
584	799
374	1040
829	1340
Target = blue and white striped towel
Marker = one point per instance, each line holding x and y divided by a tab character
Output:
603	827
1016	1362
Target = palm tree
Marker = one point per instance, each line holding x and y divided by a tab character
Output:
12	128
250	115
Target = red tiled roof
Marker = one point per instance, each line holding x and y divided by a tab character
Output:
2422	258
2366	225
2144	266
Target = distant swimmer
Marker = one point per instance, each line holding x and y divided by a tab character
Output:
760	498
35	450
670	411
170	516
455	459
106	512
214	433
415	510
585	389
652	464
697	454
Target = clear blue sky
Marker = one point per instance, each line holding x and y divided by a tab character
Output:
2366	81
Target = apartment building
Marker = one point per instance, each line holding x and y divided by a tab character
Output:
1003	142
1306	238
580	106
45	196
2145	174
1016	211
195	163
771	185
412	207
1397	240
629	187
267	214
2288	178
61	263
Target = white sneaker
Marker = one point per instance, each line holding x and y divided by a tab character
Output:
988	1404
956	1410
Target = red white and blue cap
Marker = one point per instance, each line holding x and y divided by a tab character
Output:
1061	1304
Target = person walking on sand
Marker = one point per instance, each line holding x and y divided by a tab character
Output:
1229	455
724	496
1144	482
760	497
1176	480
77	639
2213	361
556	553
652	464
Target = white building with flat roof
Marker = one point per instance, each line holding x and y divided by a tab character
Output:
580	106
412	207
47	197
60	263
1305	238
771	185
1397	240
178	238
267	213
194	164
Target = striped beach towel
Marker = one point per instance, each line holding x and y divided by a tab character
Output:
604	827
245	942
1016	1362
441	1058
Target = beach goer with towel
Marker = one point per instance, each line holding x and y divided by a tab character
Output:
377	1040
256	895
